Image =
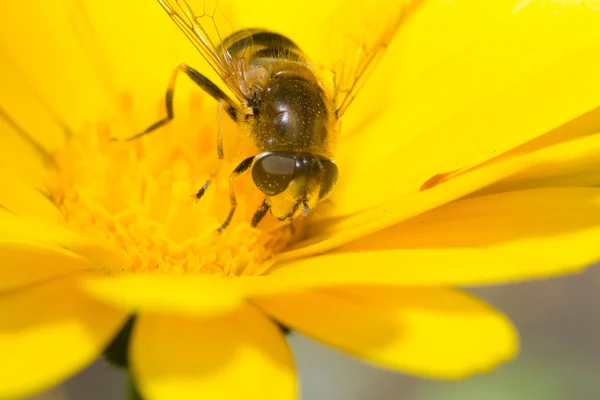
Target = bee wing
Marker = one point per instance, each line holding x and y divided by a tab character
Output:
197	27
363	47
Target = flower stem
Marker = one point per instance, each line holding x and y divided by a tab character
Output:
132	392
116	352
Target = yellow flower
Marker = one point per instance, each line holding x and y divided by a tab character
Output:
468	159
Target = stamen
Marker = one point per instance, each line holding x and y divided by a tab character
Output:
141	196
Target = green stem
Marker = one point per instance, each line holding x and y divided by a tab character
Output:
132	392
116	352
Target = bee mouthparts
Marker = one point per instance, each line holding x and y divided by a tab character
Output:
305	208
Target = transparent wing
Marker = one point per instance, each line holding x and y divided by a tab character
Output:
200	26
361	43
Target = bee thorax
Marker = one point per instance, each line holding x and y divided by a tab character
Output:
292	116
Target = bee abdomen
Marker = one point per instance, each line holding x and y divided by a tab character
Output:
262	44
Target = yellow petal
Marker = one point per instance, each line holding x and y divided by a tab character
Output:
22	105
491	239
530	74
24	199
30	255
239	356
575	161
137	48
584	125
97	254
41	41
48	332
486	221
435	332
180	295
24	263
423	45
21	155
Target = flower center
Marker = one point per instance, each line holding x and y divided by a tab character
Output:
139	194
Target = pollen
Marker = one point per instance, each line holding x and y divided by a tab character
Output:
139	195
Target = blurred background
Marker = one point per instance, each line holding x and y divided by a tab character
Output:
559	322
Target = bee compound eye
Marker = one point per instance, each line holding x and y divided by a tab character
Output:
273	173
329	177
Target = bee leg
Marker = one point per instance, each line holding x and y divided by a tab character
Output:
202	190
199	80
290	215
240	169
220	153
260	213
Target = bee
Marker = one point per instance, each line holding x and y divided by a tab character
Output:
282	102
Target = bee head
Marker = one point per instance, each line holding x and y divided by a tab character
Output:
294	182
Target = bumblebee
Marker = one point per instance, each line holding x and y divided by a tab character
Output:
281	100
